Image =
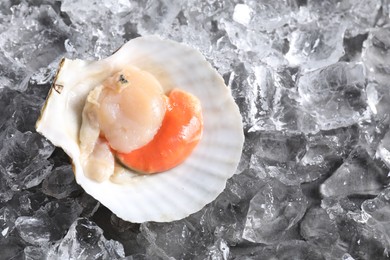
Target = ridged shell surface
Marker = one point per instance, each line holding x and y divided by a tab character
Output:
173	194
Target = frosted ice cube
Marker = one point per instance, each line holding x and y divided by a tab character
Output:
242	14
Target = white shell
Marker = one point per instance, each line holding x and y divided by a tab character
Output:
178	192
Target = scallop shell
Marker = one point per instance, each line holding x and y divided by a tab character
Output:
185	189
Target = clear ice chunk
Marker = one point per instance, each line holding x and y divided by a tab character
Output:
376	55
88	204
5	192
277	148
360	15
356	16
270	98
357	237
219	251
334	95
7	221
295	159
36	230
23	162
227	214
292	249
35	252
347	256
318	228
378	212
297	249
271	15
126	233
383	150
158	16
62	213
245	40
86	11
11	248
325	151
273	211
185	236
33	39
6	97
85	240
24	111
378	99
313	46
358	175
60	183
99	29
26	203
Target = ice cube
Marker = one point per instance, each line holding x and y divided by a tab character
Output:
185	236
85	240
318	228
33	40
313	46
60	183
334	95
272	14
360	16
359	175
242	14
99	28
37	230
7	221
357	237
383	150
35	252
376	55
23	162
273	211
378	212
11	248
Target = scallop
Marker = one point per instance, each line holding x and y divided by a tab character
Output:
162	197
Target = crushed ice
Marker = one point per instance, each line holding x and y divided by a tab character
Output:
311	79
